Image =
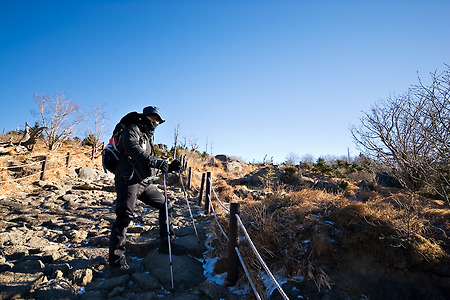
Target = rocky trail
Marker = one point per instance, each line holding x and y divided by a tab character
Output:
54	245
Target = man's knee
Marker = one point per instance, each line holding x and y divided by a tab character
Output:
123	218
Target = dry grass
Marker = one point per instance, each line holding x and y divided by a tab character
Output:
30	164
303	233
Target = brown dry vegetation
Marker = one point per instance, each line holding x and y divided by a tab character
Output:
29	164
350	242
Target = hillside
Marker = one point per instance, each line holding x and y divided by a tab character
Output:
322	237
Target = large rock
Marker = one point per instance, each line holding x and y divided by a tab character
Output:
190	242
386	180
76	235
14	285
212	290
233	166
29	266
187	271
141	245
88	174
146	281
222	157
254	179
327	186
81	277
56	289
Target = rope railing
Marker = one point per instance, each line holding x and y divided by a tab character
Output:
21	178
252	284
218	200
235	221
44	163
260	258
218	223
21	166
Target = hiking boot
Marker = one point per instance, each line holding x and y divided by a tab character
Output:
121	269
175	249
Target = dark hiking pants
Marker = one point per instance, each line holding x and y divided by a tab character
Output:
127	195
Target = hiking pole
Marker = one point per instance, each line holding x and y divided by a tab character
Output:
168	230
189	207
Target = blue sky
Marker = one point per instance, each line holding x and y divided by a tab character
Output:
254	78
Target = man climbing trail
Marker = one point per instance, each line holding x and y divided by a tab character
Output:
136	169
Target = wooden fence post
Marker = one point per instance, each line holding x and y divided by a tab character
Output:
184	162
233	260
208	193
68	160
44	167
202	187
189	178
93	154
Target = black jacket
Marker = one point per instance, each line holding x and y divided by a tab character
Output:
138	157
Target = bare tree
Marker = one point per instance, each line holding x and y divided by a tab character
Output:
60	116
292	159
410	135
175	138
193	143
97	129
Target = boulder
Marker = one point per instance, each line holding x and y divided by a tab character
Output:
233	166
191	243
327	186
76	235
88	174
212	290
81	277
222	158
307	182
386	180
56	289
187	271
146	296
145	281
254	179
29	266
14	285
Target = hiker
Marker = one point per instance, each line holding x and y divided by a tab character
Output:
134	175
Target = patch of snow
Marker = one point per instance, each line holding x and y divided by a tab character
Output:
81	291
243	290
208	272
136	258
269	284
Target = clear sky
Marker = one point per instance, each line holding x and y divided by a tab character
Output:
253	78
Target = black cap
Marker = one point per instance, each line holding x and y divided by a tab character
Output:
153	110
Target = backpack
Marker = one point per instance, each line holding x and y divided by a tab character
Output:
110	154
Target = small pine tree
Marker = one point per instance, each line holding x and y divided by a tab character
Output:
268	179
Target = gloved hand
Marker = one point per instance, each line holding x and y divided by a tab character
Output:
175	166
162	165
